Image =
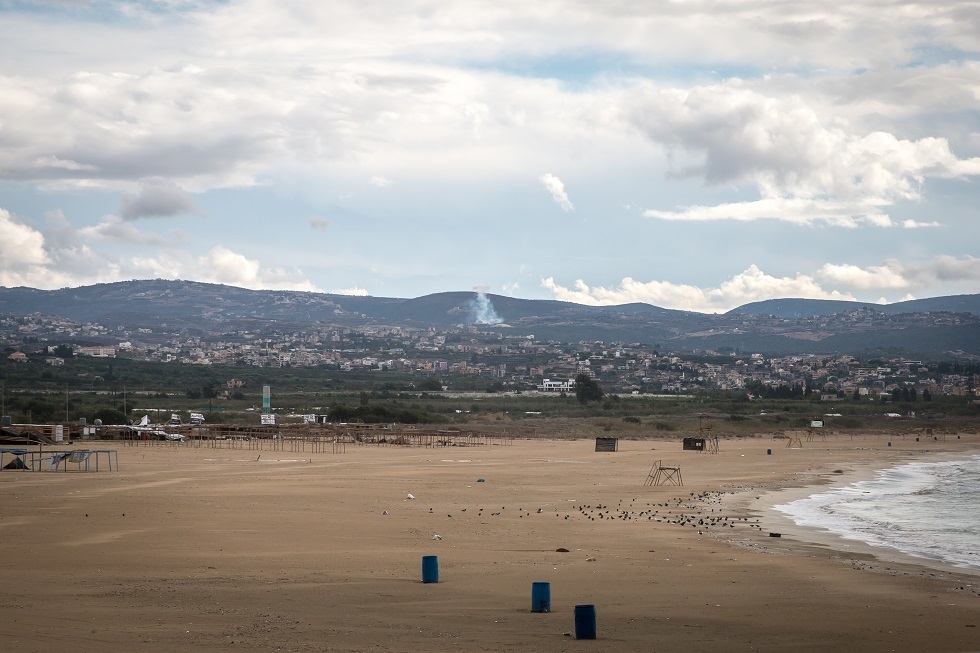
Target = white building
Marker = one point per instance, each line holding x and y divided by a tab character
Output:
547	385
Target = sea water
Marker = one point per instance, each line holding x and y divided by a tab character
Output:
929	510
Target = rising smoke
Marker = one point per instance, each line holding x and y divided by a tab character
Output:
481	307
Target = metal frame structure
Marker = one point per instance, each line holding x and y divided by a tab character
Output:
663	475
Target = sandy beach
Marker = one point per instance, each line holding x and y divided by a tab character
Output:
199	548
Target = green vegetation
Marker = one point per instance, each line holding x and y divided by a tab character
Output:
118	389
587	389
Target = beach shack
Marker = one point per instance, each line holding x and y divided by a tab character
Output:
607	444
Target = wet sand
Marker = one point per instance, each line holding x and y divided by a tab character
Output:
193	549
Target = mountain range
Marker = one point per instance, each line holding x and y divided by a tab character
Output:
922	327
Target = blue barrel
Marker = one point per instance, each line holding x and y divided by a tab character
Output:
917	439
430	569
768	452
584	622
889	444
540	597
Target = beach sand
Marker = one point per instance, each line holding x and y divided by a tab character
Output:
194	549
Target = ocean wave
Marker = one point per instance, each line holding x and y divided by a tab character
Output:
921	509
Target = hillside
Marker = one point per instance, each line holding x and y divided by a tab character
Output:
802	308
782	326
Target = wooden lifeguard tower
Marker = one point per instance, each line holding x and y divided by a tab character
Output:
793	440
816	430
704	431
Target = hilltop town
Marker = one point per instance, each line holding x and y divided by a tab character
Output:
480	357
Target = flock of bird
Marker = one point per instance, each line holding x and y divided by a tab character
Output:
697	511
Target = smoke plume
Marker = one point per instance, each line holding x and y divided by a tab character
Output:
482	308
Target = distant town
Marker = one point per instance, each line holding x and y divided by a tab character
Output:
502	362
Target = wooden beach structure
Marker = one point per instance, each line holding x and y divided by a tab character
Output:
305	438
661	474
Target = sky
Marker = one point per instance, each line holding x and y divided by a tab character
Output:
694	155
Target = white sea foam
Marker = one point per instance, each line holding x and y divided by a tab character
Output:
930	510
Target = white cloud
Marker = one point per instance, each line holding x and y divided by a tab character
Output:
830	281
838	113
556	187
894	275
20	245
61	258
913	224
748	286
795	210
221	95
835	34
71	260
354	291
222	265
875	277
754	285
807	167
511	288
31	258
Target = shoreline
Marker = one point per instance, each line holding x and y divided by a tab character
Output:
204	549
815	540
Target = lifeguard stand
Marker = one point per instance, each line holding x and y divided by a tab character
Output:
793	440
704	431
928	432
816	430
661	475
